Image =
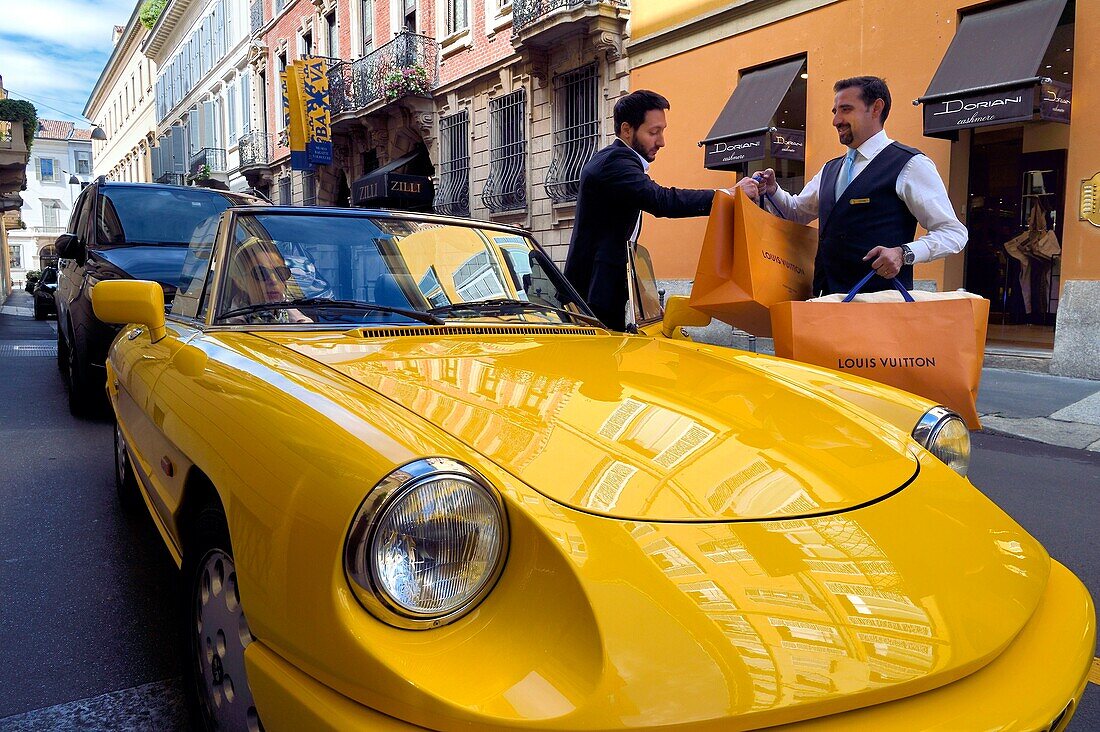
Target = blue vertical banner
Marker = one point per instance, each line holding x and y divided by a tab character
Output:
314	72
297	127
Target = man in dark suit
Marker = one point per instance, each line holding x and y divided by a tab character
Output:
614	190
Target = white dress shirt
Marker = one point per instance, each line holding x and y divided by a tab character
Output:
918	185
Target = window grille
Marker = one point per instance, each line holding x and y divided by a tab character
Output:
506	187
284	191
453	195
309	188
576	131
457	16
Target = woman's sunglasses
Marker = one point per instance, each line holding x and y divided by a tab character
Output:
261	272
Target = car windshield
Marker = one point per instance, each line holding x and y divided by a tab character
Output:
133	215
290	267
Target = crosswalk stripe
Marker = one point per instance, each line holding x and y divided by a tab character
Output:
158	705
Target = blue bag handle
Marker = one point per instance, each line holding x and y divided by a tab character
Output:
778	211
893	280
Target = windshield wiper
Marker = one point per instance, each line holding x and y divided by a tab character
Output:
327	302
505	307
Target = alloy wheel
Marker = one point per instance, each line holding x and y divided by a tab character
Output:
220	636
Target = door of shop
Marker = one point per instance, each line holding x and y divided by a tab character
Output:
1005	183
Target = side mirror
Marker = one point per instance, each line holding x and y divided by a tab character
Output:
131	301
678	313
69	246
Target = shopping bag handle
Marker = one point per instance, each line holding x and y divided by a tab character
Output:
764	194
867	278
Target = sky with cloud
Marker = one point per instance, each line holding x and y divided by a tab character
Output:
52	51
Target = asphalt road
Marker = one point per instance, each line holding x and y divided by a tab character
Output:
88	613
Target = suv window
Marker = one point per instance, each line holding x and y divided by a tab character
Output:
150	216
190	301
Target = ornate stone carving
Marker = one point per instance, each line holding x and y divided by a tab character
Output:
608	43
257	54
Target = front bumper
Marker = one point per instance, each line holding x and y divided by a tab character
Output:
1043	670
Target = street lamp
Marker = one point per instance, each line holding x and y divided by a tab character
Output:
98	133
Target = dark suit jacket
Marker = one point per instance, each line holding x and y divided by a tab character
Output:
613	188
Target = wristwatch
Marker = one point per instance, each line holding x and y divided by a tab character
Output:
907	255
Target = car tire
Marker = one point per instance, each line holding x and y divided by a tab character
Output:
215	632
62	355
129	495
82	402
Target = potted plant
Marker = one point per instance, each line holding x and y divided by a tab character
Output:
405	81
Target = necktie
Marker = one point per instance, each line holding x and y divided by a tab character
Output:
845	176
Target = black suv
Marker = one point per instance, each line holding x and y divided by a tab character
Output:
121	231
43	292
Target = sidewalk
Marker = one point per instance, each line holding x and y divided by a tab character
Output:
1036	406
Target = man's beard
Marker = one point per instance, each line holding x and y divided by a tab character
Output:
846	135
637	147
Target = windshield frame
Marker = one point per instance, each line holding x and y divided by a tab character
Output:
218	271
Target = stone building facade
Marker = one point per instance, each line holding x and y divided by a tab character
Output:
506	102
121	103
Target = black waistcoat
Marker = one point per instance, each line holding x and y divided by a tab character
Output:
869	214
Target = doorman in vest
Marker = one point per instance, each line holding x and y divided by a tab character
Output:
869	201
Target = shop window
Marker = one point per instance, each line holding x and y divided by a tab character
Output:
453	196
576	131
506	187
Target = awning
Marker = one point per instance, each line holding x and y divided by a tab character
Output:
387	187
740	134
989	74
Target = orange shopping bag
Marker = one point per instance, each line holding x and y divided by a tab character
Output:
751	260
933	348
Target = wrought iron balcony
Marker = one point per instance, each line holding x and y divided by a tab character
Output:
406	66
528	13
211	157
175	179
255	150
256	15
47	230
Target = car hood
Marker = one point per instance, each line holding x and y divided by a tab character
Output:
772	560
633	428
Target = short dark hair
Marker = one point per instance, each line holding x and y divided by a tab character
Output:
870	89
633	107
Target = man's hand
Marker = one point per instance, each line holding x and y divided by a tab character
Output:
886	262
750	186
766	179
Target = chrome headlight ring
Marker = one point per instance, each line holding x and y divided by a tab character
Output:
427	544
944	434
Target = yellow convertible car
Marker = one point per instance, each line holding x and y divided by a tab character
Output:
412	483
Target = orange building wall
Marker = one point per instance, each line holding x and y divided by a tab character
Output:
1081	245
900	41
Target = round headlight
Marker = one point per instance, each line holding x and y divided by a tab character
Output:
944	434
427	545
